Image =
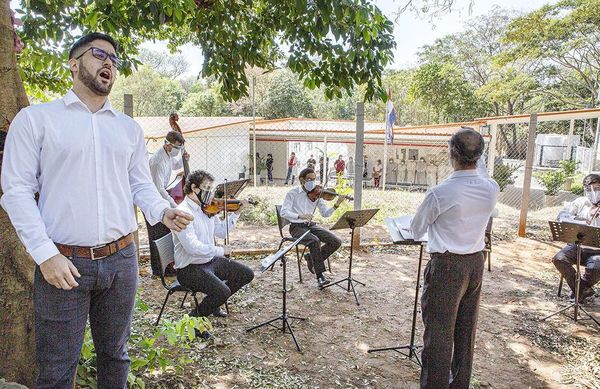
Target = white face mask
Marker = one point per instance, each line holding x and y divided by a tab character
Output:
592	195
309	185
174	152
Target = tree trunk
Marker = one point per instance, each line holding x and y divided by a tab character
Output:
17	352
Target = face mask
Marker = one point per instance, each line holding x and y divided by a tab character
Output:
592	195
204	196
174	152
309	185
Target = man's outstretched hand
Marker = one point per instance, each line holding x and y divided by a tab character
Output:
176	220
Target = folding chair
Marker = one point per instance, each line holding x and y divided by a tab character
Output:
487	249
166	253
281	223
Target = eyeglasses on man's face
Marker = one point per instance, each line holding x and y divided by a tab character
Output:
100	54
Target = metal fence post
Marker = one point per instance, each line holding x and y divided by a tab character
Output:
128	110
358	165
528	173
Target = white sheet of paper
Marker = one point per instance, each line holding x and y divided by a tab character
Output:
402	224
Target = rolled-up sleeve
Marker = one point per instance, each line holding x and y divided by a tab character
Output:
20	171
145	195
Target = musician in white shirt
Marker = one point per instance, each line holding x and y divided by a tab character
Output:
162	163
201	264
89	165
454	214
299	209
582	210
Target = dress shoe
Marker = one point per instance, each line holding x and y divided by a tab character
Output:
205	335
309	262
219	313
322	281
583	294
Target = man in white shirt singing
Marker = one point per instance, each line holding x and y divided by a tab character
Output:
454	214
89	165
299	209
201	265
162	164
582	210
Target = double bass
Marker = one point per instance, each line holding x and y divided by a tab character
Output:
175	189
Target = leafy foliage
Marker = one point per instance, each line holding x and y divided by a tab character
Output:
151	349
335	44
503	174
552	180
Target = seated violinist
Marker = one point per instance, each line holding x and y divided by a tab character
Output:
299	207
201	265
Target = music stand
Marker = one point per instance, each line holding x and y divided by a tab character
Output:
411	347
579	234
351	219
233	189
284	317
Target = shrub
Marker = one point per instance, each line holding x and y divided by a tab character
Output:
503	174
577	189
552	180
569	167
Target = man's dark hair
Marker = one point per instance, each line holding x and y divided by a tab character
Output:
305	172
196	177
466	146
174	137
591	179
173	115
82	43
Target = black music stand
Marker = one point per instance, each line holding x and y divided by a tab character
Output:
351	219
579	234
233	189
411	347
284	317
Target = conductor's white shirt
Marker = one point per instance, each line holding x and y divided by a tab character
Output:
455	213
161	167
297	203
89	170
196	244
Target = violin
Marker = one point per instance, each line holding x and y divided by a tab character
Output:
326	194
218	205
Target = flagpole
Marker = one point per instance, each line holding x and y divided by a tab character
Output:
385	141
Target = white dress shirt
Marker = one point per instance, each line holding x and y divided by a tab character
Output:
578	211
161	167
89	169
296	203
196	244
455	213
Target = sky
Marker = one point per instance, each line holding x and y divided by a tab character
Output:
410	30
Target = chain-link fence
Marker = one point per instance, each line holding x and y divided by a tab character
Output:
396	176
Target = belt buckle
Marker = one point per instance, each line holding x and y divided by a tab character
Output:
92	257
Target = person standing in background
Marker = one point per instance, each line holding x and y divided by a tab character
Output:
292	162
269	165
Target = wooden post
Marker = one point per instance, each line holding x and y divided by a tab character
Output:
492	148
570	140
528	173
128	109
358	165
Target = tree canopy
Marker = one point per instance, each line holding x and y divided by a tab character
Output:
335	44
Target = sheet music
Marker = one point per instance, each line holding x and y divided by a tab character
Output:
399	228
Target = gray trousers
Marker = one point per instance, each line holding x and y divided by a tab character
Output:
106	293
566	259
316	237
218	280
450	305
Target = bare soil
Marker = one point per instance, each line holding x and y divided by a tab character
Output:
513	349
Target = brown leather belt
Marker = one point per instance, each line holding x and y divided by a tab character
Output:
97	252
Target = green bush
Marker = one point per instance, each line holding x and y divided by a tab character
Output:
569	167
577	188
552	180
503	174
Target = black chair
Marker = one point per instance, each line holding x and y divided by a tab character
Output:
487	249
166	253
281	223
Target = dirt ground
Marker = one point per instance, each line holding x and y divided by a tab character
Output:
513	349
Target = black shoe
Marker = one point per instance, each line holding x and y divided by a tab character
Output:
219	313
322	281
583	294
309	262
203	334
